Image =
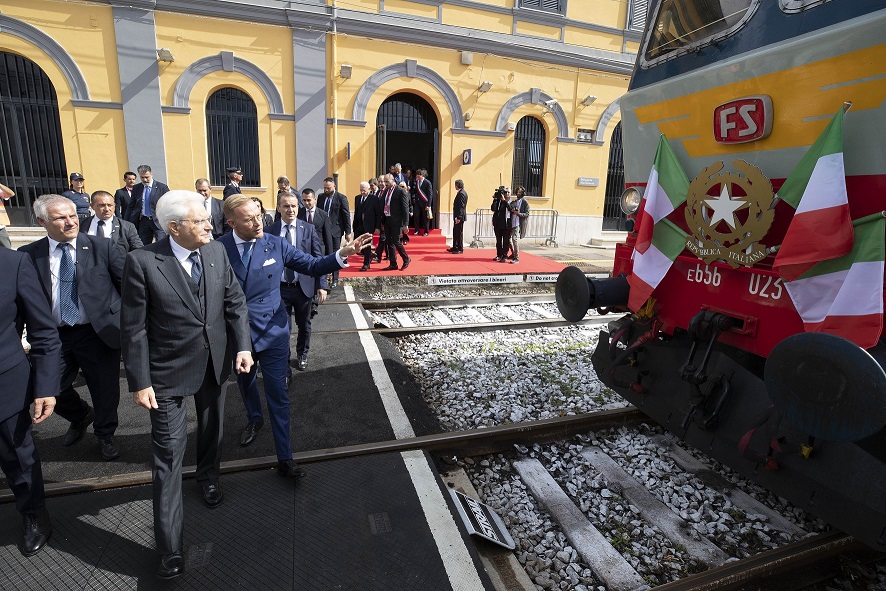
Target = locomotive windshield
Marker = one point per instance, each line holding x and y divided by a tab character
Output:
681	25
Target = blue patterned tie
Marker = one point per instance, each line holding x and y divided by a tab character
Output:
69	309
196	267
289	274
247	254
146	200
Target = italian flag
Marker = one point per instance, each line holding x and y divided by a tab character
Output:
659	241
816	189
844	296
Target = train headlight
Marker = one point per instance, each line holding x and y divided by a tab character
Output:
630	200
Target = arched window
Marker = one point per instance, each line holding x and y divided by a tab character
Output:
529	155
32	157
232	136
613	217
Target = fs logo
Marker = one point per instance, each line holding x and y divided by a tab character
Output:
743	120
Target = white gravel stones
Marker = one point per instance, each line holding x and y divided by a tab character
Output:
484	379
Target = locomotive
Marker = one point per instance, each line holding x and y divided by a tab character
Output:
749	292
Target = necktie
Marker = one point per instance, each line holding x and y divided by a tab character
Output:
328	204
196	267
388	202
289	274
247	254
69	309
101	229
310	216
146	200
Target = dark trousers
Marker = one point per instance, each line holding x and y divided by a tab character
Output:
422	221
18	453
274	364
502	241
298	306
458	231
83	350
392	233
148	230
336	244
169	435
382	244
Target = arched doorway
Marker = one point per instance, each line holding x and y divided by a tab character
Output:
408	133
32	157
529	155
613	217
232	136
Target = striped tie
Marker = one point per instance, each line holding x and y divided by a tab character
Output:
69	308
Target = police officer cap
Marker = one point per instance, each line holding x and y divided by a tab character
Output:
76	176
231	169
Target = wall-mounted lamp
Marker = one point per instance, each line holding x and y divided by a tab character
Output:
346	70
164	55
485	86
511	126
589	100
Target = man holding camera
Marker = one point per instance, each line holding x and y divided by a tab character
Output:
500	222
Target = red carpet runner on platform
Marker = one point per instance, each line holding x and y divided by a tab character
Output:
429	257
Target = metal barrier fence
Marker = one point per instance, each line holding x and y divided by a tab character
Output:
542	225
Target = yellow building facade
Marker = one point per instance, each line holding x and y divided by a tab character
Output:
332	88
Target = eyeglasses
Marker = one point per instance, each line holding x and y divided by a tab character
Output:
198	222
255	219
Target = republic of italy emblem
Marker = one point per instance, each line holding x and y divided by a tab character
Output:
728	213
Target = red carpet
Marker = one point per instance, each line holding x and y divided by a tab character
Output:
429	257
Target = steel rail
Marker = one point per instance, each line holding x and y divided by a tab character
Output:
491	300
472	442
779	561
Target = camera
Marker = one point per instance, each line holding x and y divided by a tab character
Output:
501	193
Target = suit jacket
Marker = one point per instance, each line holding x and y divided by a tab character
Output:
230	190
523	212
399	206
308	242
99	279
168	341
134	213
501	215
122	199
321	226
339	214
217	218
367	214
460	205
24	303
123	233
268	321
427	189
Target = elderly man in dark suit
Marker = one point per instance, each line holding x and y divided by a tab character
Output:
183	316
143	207
260	262
23	379
395	216
459	213
81	277
335	205
123	195
213	208
105	224
367	218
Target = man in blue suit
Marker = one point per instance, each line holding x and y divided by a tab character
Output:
258	261
297	289
21	382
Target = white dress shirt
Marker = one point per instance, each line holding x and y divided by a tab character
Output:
182	255
93	227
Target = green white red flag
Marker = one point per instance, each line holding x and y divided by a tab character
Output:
844	296
821	228
659	241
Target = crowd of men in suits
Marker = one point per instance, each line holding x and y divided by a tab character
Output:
184	287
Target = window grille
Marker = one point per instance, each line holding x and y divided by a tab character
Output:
529	155
232	136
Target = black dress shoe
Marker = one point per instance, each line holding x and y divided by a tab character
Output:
376	259
250	433
364	268
405	264
171	565
109	450
212	494
450	250
334	284
289	469
37	531
390	268
425	234
302	363
77	430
